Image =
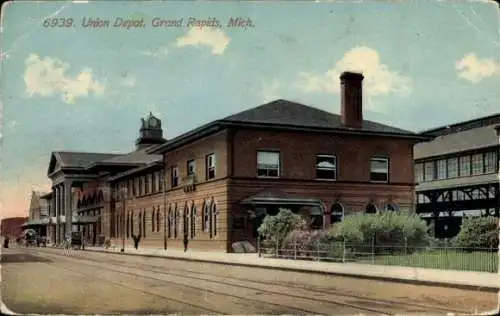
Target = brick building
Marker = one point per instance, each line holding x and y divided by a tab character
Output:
11	226
217	182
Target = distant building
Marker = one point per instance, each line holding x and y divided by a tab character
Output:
457	173
217	182
11	227
39	210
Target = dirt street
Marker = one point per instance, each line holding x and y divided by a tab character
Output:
54	281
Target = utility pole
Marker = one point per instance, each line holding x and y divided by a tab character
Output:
163	179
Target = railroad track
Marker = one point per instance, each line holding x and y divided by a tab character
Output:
299	293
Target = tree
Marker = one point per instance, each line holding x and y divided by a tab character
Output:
276	228
478	232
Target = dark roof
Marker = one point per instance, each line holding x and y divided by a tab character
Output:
81	159
284	112
138	157
466	140
288	115
464	126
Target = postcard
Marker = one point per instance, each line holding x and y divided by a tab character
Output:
250	157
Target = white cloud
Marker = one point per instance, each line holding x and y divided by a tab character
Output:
379	80
214	38
158	53
48	76
476	69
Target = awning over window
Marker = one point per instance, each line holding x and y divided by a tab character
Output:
276	196
85	219
37	222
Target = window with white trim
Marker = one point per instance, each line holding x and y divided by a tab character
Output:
326	167
379	169
419	172
210	166
429	171
268	163
490	162
452	167
477	164
465	166
441	169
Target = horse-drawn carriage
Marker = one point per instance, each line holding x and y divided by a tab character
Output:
75	241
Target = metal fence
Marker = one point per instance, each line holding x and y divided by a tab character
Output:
481	259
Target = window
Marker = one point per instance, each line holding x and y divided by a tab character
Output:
193	221
175	176
477	164
441	169
213	219
336	213
136	186
429	171
206	217
158	219
148	183
176	217
371	209
419	172
465	166
210	166
379	169
316	217
130	186
326	167
452	167
389	207
268	164
153	226
141	186
161	180
191	167
154	182
490	162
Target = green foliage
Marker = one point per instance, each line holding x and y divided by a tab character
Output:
478	232
276	228
383	229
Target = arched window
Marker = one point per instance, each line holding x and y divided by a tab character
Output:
193	221
214	214
176	218
144	223
140	222
206	217
371	209
389	207
169	218
153	226
316	217
336	213
158	219
185	220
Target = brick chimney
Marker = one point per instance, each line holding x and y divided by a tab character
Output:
351	111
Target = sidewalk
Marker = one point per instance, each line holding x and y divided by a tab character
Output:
393	273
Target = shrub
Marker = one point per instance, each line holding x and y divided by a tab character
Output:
276	228
384	230
307	243
478	232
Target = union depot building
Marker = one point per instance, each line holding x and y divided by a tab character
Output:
217	182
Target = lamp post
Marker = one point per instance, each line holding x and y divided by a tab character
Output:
163	179
124	201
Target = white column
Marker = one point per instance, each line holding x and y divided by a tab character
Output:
56	210
68	210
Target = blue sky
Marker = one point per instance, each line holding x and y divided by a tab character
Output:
426	64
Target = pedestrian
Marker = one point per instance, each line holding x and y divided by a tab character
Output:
185	241
6	242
